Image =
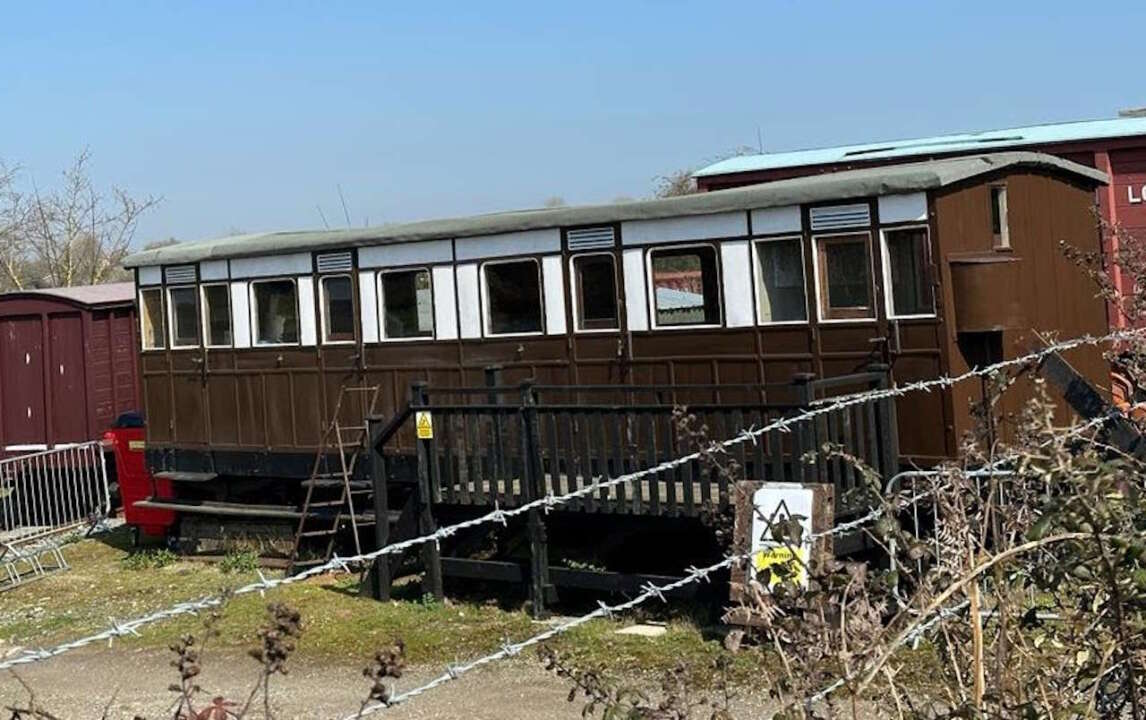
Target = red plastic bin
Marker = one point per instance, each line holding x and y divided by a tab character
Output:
126	440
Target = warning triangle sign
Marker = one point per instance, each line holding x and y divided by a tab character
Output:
424	422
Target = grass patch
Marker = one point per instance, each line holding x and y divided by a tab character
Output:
337	622
240	561
152	559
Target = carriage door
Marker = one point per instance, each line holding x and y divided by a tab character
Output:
66	368
22	381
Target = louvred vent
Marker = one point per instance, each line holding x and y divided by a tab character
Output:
180	274
335	262
840	216
590	238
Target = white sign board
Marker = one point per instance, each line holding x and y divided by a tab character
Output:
773	504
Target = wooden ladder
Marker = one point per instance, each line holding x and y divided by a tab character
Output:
329	500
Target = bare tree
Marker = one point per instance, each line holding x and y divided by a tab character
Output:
70	235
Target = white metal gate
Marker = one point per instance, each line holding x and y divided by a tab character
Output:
49	492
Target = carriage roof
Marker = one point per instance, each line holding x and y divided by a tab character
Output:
866	182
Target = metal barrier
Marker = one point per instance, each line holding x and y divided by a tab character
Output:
51	491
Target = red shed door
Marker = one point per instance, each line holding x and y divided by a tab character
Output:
66	369
22	381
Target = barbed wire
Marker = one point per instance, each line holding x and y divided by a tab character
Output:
648	592
550	501
695	575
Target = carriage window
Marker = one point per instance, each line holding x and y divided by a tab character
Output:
153	335
907	260
999	216
780	280
845	277
407	304
276	312
595	288
513	297
184	317
337	309
686	287
217	315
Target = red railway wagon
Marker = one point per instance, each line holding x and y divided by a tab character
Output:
68	364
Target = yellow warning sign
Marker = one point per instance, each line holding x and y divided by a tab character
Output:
425	424
780	555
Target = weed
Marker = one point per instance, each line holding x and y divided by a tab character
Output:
240	561
151	559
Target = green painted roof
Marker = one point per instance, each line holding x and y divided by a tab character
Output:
867	182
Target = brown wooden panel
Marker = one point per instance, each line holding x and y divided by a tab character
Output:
157	401
223	402
251	410
278	404
190	412
306	406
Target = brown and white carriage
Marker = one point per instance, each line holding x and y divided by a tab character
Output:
718	299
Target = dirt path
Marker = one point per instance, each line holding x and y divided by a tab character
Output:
80	684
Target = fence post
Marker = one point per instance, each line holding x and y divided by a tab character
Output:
888	424
804	434
431	555
380	571
497	446
533	484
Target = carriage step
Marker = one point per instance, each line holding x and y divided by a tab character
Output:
184	476
324	481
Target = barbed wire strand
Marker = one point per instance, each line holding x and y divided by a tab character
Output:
695	575
498	515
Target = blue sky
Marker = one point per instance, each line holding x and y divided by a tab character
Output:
246	116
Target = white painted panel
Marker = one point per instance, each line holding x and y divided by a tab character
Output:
636	301
909	207
469	301
151	275
307	330
368	305
271	265
553	279
736	271
693	227
413	253
528	242
776	220
241	314
445	304
213	270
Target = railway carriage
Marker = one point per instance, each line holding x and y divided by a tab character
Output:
922	269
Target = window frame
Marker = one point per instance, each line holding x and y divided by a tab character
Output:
324	334
652	294
162	318
1002	239
381	302
484	286
821	292
889	290
757	291
203	320
575	306
254	311
170	311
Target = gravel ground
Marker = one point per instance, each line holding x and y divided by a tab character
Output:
80	684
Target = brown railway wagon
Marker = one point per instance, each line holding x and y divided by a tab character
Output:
929	267
67	364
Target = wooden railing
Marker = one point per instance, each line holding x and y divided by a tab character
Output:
513	444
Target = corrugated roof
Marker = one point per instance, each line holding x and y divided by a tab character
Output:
866	182
956	143
106	294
